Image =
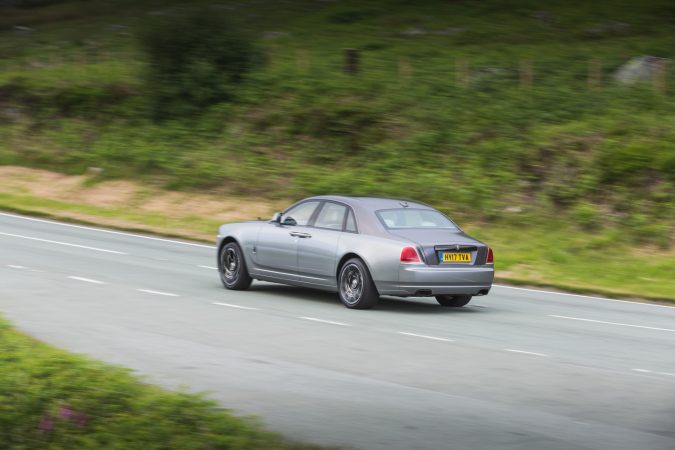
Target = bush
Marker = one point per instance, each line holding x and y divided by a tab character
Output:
194	59
587	216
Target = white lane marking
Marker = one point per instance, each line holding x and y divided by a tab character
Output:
14	266
668	374
581	296
208	267
100	230
314	319
86	280
229	305
64	243
150	291
513	350
612	323
424	336
193	244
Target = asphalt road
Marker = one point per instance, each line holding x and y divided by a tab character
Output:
518	369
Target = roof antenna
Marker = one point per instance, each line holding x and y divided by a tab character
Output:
404	204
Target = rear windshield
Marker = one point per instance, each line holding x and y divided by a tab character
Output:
414	218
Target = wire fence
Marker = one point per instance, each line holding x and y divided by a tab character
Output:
462	72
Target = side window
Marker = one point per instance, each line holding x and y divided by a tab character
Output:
331	216
299	215
351	223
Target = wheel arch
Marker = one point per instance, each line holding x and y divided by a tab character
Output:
346	257
226	240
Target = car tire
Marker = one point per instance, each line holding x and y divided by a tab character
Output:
453	301
232	267
355	285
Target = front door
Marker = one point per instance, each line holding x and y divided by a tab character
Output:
276	252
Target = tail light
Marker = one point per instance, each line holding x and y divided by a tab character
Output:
409	255
490	257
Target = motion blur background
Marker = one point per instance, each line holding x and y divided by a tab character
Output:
545	128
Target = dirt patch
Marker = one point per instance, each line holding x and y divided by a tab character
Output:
128	194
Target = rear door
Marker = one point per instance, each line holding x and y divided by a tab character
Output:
317	255
276	252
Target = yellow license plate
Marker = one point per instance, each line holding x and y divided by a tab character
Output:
457	257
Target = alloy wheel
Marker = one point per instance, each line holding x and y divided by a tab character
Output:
351	284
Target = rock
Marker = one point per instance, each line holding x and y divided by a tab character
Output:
448	31
491	73
608	28
640	68
11	112
94	171
413	31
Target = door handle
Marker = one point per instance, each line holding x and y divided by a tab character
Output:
300	235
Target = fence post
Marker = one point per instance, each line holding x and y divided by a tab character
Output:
595	74
302	60
526	75
351	66
462	73
404	69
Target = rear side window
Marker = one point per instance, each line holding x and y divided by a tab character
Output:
351	222
331	216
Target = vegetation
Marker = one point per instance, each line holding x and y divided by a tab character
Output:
50	399
500	113
195	60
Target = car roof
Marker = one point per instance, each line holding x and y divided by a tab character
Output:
372	203
364	208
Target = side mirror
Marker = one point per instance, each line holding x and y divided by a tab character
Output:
276	217
289	221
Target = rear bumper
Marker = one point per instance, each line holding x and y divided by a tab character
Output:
423	280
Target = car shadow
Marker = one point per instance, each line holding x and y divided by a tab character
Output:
421	305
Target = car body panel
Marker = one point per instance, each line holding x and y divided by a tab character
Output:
276	249
311	256
317	256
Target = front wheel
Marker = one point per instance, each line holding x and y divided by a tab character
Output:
232	268
355	286
453	301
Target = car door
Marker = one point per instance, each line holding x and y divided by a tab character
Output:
317	254
276	250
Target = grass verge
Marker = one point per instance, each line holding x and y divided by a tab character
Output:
51	399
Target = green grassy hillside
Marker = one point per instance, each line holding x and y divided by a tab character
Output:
502	113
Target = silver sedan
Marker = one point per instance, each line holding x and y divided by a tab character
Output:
361	248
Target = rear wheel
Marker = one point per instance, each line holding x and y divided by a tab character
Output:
232	268
453	301
355	286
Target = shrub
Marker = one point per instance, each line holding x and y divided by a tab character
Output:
587	216
194	59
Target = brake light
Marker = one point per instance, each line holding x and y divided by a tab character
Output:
490	257
409	255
